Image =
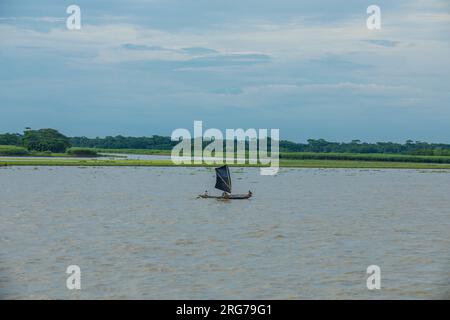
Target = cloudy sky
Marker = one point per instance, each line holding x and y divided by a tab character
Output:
310	68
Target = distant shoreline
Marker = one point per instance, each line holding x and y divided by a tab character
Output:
161	158
80	162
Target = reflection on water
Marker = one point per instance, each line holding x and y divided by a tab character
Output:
141	233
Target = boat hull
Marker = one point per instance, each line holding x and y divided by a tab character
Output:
230	197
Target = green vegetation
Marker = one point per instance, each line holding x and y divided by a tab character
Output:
356	146
13	151
311	156
47	154
318	145
360	164
168	163
120	142
363	157
135	151
84	162
82	152
11	139
313	145
315	153
45	140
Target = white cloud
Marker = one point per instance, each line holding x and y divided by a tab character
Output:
289	41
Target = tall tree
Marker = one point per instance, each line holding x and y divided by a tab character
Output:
45	140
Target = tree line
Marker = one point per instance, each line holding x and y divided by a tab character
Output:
53	141
43	140
356	146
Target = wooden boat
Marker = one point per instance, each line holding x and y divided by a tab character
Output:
230	197
223	182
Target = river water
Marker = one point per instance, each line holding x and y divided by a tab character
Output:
141	233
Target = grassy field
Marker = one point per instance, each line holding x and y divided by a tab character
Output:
168	163
13	151
135	151
291	159
378	157
364	157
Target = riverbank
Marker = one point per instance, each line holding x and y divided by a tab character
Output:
118	158
17	151
377	157
168	163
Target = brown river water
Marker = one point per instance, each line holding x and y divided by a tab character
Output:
141	233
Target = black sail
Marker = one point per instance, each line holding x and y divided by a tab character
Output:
223	179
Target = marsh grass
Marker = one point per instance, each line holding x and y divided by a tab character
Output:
168	163
13	151
363	157
287	159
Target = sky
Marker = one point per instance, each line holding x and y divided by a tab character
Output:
309	68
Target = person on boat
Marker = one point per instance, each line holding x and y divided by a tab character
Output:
205	194
250	193
225	195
